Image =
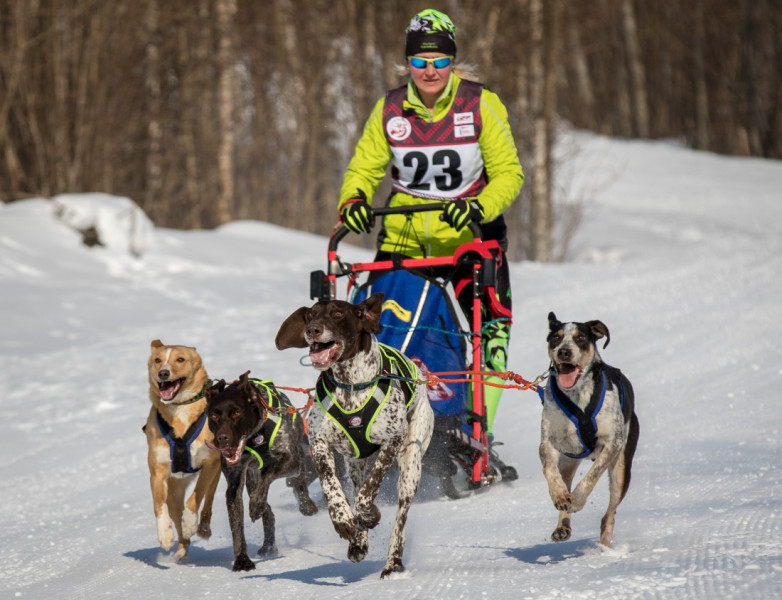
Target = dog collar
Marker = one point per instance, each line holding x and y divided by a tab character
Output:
195	398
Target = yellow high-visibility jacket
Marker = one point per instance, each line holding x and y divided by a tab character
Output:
431	236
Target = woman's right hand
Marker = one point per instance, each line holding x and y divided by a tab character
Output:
357	215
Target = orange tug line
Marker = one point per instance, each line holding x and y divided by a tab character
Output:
433	379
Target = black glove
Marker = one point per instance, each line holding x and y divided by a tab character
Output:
460	213
357	214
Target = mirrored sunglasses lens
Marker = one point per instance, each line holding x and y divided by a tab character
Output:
417	63
441	63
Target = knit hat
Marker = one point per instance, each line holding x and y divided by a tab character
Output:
430	31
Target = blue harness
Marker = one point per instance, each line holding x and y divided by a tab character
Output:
585	421
180	447
356	425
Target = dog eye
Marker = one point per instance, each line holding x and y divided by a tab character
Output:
580	337
555	339
337	314
180	359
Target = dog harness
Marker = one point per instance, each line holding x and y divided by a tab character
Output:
395	370
584	420
181	460
274	403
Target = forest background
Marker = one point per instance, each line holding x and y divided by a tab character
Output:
209	111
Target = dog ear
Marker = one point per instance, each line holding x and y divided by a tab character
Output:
553	322
156	344
369	312
291	333
599	329
244	383
215	389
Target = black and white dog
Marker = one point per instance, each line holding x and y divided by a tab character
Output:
369	405
588	412
259	437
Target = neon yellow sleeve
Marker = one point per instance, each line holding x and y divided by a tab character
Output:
500	158
368	165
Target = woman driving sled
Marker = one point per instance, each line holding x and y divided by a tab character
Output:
447	139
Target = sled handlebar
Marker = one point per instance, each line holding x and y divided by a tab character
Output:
341	231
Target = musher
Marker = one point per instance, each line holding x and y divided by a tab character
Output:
447	139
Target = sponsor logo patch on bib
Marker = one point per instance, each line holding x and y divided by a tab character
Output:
461	131
399	128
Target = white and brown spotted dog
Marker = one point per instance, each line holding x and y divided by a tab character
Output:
365	409
588	413
177	438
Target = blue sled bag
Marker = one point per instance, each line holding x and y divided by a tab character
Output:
418	319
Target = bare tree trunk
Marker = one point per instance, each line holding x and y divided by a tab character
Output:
486	41
154	183
577	56
701	93
11	73
226	11
292	136
540	208
637	75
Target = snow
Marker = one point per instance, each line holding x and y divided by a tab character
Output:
679	253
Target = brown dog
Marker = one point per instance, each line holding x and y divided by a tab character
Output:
260	436
177	437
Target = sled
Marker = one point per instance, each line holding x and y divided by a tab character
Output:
422	320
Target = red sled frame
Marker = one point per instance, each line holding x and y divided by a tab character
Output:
484	256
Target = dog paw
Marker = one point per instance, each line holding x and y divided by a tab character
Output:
204	530
189	524
268	550
358	547
561	498
307	507
392	568
180	553
369	519
344	522
561	533
165	534
242	562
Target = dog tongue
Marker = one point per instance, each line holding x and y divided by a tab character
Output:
320	358
567	376
168	391
323	358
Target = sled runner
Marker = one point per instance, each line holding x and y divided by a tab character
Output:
420	319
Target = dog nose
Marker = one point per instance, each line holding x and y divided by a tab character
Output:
222	439
314	330
163	374
564	354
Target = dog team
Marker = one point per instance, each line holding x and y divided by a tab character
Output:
366	406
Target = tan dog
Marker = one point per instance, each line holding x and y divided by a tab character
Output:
177	435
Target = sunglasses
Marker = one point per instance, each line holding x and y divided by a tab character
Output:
438	63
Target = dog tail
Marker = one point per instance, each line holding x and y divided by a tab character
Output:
629	452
